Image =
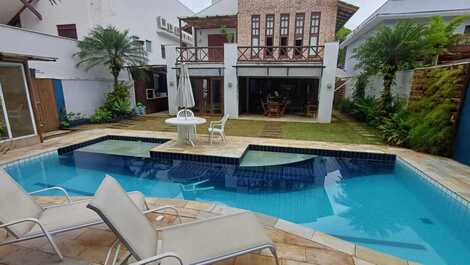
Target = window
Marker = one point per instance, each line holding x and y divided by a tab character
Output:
269	35
150	93
299	33
284	34
467	29
67	30
314	33
163	49
255	28
148	46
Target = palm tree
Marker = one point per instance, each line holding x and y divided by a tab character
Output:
111	48
390	50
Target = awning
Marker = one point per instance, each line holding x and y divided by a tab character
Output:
25	57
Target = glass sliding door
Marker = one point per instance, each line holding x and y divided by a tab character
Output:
16	117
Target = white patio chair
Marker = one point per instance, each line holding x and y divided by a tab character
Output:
184	114
24	219
218	127
200	242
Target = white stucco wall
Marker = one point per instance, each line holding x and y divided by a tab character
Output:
230	80
327	82
84	96
66	12
401	87
83	87
139	17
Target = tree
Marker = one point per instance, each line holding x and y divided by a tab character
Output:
341	36
440	36
390	50
111	48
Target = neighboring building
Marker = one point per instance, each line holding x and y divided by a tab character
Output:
389	14
262	57
58	27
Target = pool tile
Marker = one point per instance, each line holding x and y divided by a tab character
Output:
335	243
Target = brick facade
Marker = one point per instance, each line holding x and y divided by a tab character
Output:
247	8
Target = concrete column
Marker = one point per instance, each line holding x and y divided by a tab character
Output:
230	80
171	78
327	82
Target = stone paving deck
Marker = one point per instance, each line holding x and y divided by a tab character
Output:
296	245
452	175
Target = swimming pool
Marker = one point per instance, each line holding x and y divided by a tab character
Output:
381	204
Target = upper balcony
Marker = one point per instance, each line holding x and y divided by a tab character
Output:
249	54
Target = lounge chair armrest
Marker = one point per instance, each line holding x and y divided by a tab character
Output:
19	221
54	188
166	255
167	207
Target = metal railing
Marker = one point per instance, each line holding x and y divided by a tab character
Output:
280	53
213	54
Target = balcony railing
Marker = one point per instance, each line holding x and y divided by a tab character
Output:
200	54
280	53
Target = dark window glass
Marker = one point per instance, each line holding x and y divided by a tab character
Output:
314	33
163	51
67	30
255	31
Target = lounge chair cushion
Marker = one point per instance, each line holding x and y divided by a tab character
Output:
15	204
76	214
126	220
211	238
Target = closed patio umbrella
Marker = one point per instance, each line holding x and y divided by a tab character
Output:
184	97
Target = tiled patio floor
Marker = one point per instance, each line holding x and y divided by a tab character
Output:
295	245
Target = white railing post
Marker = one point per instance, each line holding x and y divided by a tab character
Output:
230	80
327	82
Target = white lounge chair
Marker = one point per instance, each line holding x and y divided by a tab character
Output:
24	219
218	127
201	242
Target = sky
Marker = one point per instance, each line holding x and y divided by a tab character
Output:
366	8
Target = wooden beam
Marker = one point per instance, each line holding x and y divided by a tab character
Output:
31	8
20	11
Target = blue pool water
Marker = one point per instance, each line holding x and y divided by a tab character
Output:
385	206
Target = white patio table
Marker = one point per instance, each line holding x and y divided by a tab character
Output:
184	126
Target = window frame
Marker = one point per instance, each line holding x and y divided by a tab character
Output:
255	34
298	50
314	31
67	28
283	51
269	52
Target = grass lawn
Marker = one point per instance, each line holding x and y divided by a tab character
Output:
343	129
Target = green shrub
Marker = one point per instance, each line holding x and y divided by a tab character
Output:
360	86
344	105
395	129
102	115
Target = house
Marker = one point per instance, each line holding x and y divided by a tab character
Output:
253	57
41	29
391	13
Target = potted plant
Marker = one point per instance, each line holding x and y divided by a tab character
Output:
140	109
